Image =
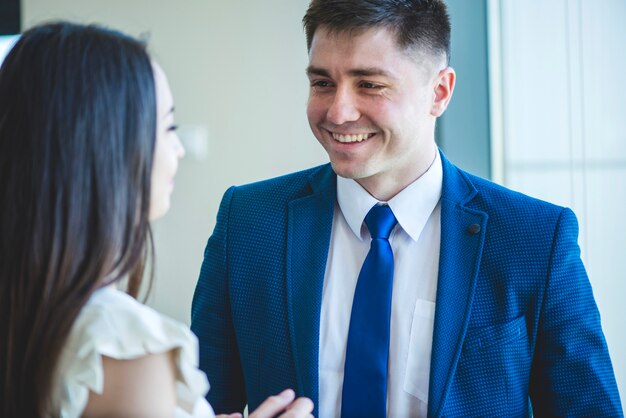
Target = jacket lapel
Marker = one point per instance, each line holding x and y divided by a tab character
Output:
309	226
459	262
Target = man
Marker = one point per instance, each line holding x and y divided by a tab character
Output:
391	282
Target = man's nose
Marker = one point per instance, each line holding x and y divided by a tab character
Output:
343	107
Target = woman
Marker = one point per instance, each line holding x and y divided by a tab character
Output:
88	154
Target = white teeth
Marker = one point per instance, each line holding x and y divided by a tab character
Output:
351	138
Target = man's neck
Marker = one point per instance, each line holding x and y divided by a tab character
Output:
385	186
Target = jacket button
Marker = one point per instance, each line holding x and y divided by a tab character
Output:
473	229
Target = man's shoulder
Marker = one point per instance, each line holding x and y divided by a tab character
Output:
484	195
513	209
287	187
296	178
502	196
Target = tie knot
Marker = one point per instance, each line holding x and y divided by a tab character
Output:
380	221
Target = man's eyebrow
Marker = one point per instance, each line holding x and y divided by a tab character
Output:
311	70
370	71
357	72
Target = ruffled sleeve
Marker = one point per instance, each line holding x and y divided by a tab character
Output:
115	325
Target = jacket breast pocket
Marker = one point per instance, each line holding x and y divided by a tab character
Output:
494	365
484	337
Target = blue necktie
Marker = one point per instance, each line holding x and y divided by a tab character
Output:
367	353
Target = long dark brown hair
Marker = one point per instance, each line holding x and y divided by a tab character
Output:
77	134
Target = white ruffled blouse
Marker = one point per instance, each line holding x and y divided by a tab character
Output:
115	325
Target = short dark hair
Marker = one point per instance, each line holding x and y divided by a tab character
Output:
77	138
420	24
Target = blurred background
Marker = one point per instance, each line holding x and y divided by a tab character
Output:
538	107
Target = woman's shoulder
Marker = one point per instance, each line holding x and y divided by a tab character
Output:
113	325
123	328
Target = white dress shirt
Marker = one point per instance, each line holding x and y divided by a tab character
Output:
415	244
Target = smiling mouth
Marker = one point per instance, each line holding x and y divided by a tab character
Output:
351	138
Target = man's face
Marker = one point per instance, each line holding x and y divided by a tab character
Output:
373	107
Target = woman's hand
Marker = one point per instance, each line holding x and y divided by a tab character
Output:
283	404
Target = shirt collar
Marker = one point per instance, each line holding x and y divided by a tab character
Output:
412	206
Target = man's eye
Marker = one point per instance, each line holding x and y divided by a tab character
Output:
369	85
320	83
172	128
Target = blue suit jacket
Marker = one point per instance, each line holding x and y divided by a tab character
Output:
515	316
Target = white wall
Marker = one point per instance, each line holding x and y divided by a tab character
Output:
237	72
562	132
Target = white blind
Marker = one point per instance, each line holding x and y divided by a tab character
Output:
561	127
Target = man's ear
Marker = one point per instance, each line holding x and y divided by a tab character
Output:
444	86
